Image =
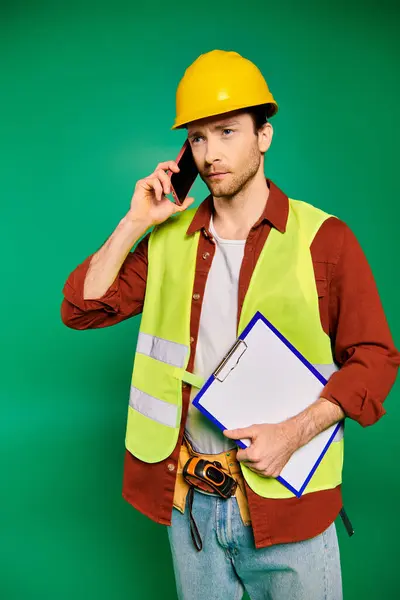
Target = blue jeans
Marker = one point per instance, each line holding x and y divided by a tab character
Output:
229	562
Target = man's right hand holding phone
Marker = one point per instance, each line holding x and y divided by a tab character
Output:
149	202
149	206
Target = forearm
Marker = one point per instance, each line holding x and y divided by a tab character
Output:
313	420
106	263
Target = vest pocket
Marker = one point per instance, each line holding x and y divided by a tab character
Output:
148	440
154	412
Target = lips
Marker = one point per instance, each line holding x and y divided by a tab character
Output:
211	175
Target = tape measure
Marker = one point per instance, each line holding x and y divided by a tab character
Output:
209	477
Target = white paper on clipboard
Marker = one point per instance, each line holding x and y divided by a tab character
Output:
264	379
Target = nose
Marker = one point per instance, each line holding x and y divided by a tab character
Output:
212	152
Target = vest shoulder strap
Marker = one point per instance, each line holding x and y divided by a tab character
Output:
179	221
309	218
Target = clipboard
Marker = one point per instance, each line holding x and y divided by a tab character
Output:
255	383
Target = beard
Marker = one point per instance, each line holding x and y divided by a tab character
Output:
233	183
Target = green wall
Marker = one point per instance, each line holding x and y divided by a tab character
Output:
87	95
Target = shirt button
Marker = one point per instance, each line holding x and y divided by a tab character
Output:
206	255
196	296
191	340
184	384
171	467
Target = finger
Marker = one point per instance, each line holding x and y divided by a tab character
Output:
261	469
248	454
244	432
252	467
155	184
243	455
164	179
187	202
259	472
169	165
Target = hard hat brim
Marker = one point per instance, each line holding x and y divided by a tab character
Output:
272	109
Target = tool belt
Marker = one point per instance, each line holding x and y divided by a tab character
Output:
211	478
206	476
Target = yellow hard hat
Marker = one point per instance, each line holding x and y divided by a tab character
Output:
219	82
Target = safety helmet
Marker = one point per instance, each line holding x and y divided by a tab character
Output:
219	82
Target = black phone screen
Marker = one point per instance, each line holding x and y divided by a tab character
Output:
183	181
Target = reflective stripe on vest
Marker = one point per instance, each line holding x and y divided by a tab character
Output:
153	408
282	287
163	350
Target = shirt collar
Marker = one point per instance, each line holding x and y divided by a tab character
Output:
276	211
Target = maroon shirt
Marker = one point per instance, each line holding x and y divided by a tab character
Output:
351	314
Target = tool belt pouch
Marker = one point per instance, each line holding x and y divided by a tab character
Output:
209	477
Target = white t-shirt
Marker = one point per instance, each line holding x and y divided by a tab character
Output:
217	333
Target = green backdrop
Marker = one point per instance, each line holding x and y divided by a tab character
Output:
87	105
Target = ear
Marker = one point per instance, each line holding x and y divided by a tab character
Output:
265	137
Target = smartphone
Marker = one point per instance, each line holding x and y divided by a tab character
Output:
182	182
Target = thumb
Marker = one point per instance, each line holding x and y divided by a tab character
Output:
244	432
186	203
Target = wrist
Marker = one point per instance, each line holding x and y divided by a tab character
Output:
135	224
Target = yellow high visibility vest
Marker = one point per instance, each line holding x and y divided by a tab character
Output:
282	288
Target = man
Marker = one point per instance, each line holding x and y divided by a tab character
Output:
197	279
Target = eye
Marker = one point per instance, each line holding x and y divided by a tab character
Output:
195	139
228	130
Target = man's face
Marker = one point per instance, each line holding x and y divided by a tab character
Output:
226	144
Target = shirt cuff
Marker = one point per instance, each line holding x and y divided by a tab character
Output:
353	397
73	292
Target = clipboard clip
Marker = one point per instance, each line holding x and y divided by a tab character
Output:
237	351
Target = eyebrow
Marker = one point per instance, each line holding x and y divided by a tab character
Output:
224	125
